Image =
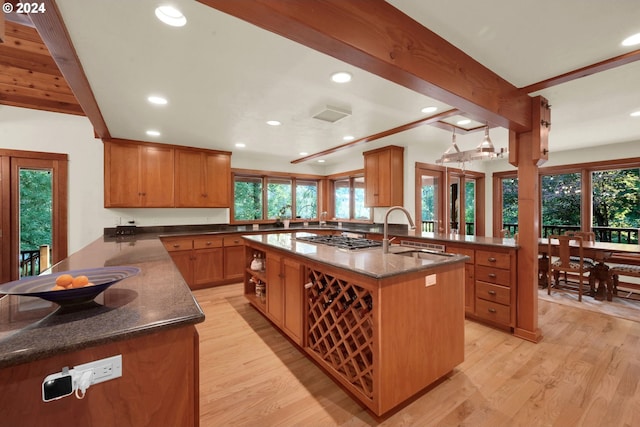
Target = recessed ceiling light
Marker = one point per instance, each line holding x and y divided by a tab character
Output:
240	145
464	122
273	123
158	100
153	133
429	109
171	16
303	153
347	138
631	40
321	161
635	114
341	77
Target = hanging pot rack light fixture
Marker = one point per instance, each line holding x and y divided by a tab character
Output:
484	151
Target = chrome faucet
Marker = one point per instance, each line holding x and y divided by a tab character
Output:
385	240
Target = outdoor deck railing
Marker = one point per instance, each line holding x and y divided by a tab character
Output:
603	234
29	263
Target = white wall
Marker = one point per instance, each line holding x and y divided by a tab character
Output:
33	130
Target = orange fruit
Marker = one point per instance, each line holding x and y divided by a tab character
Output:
80	281
64	280
58	288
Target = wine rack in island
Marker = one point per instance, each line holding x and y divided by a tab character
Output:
340	328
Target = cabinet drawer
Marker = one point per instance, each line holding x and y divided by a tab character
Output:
493	311
491	292
493	275
233	241
493	259
207	242
178	244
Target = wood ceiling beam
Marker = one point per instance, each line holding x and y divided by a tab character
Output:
427	120
378	38
56	37
605	65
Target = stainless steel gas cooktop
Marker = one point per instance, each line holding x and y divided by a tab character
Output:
342	242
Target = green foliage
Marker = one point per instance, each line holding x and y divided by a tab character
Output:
616	198
306	200
561	199
470	202
279	199
248	199
36	197
510	201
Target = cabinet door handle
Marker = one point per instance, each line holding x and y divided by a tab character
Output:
492	292
492	310
492	275
208	243
236	241
175	245
491	259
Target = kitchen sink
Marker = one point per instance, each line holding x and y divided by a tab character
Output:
424	254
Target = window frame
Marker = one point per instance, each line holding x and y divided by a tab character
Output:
585	169
265	176
351	176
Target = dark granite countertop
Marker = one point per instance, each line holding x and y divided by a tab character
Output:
157	298
368	262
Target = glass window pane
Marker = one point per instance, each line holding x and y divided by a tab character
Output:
429	198
341	198
560	203
510	205
279	198
470	206
248	198
616	205
306	199
454	200
361	212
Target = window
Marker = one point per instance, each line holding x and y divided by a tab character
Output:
603	197
616	205
279	196
560	201
348	195
306	199
247	198
264	198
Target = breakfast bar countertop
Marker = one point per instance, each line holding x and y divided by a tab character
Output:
155	299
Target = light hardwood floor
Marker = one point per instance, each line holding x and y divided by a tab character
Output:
585	372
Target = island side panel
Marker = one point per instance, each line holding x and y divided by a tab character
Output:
421	332
159	385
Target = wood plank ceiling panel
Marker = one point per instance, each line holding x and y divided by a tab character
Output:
29	77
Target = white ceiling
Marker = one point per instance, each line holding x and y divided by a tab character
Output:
224	77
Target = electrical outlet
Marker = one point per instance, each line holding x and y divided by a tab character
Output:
104	369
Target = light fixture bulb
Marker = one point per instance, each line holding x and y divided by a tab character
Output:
171	16
153	133
157	100
631	40
341	77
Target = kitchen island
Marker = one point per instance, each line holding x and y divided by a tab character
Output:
383	326
149	319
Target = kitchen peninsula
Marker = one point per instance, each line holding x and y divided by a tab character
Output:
149	319
383	325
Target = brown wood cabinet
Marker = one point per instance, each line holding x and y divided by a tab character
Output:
200	260
284	292
384	176
469	276
495	296
138	175
234	261
202	179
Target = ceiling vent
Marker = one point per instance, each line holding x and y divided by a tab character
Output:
331	114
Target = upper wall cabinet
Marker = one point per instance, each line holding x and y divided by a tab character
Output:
202	179
144	175
383	176
138	175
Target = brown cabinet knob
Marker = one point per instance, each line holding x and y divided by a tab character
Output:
492	310
492	259
492	292
492	275
175	245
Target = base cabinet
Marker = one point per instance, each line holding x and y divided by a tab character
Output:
383	340
200	260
